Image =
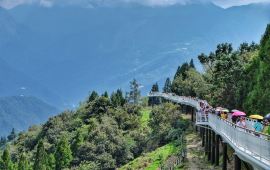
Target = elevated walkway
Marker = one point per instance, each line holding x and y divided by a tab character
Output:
254	149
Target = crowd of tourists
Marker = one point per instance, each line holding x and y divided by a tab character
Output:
257	123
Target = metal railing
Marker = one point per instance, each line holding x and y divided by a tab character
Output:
248	141
177	99
251	143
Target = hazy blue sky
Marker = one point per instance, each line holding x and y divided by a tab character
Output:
48	3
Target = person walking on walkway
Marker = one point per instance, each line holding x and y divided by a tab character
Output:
266	128
241	122
258	127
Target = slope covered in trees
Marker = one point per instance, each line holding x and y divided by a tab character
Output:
231	78
105	132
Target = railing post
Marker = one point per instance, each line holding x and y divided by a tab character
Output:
237	162
224	162
217	150
213	148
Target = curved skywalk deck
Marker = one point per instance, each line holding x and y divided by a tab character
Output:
250	148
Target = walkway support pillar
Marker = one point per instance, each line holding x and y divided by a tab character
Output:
209	145
237	162
203	136
192	114
217	150
213	148
224	150
206	141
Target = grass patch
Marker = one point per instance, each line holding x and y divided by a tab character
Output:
152	160
145	117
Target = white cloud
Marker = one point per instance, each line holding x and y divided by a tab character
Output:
48	3
230	3
13	3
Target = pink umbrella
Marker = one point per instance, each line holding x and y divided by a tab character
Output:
238	113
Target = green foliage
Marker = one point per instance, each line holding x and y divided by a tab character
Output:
226	74
78	141
23	163
86	165
163	120
191	64
51	162
3	141
105	94
154	100
12	135
154	159
92	96
135	93
193	85
117	98
63	154
105	133
168	86
181	71
40	157
6	163
257	100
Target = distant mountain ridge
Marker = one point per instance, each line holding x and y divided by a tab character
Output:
20	112
71	50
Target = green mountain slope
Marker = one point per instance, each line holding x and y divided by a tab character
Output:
20	112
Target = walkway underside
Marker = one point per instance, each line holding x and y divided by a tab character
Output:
251	148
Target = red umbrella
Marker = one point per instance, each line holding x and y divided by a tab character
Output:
239	113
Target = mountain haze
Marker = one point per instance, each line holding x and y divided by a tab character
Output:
20	112
71	50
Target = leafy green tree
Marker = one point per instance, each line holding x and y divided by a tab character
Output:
6	163
154	100
78	141
86	165
117	98
194	85
191	64
3	141
12	135
51	162
162	120
257	100
93	96
181	71
40	157
101	106
23	163
105	94
63	154
168	86
135	93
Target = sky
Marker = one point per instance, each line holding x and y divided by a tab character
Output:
8	4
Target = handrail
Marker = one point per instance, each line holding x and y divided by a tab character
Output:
246	141
246	129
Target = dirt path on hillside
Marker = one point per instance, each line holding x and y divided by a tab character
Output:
195	154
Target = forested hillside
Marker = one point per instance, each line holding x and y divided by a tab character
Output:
105	132
20	112
108	132
231	78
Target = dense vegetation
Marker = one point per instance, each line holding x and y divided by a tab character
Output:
105	132
231	78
